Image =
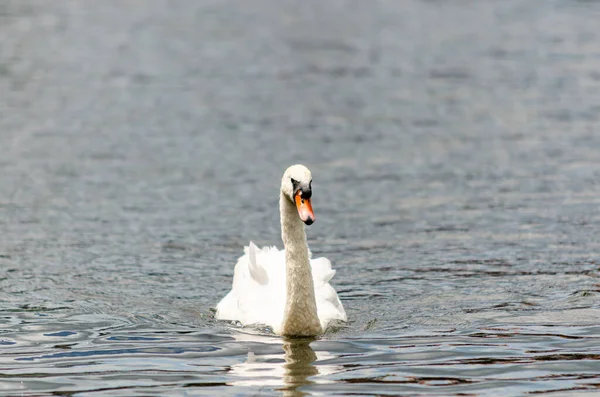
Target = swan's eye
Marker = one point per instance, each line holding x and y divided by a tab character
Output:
295	183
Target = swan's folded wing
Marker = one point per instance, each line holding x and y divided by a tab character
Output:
257	271
329	306
258	291
321	270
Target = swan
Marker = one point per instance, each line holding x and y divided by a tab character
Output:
286	290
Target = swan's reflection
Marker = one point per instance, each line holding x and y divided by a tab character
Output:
299	359
297	368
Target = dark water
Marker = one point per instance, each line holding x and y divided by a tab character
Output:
456	160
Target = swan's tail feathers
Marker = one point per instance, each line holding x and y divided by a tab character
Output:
257	272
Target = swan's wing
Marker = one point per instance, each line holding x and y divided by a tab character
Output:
257	295
329	307
321	270
257	270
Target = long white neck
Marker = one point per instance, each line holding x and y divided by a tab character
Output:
300	316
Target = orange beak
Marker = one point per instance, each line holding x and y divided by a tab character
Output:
305	210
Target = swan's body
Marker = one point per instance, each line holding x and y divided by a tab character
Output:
286	290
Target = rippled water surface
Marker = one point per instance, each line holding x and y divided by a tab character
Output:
455	151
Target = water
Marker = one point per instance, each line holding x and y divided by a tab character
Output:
454	148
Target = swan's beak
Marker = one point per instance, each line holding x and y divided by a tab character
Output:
305	210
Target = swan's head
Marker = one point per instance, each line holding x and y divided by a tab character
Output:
296	186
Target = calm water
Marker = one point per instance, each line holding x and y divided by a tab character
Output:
455	148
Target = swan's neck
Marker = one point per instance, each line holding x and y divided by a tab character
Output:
300	316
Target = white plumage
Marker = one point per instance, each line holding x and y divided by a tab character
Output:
286	290
258	294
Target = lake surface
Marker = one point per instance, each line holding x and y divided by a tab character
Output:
455	150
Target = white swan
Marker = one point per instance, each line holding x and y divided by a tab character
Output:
286	290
